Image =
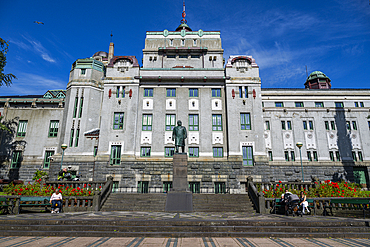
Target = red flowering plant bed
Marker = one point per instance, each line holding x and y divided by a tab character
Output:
38	189
326	189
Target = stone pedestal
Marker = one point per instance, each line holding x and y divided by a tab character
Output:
179	199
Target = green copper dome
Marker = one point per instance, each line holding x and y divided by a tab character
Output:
183	26
317	75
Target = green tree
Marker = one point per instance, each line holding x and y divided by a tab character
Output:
6	79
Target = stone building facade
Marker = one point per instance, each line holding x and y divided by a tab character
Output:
117	119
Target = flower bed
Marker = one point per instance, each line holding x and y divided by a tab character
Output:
38	189
326	189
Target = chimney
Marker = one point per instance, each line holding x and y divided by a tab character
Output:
111	51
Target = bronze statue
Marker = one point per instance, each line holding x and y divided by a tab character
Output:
179	135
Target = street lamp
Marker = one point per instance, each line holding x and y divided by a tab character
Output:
299	145
64	147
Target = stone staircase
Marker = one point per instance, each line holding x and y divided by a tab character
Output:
201	203
135	202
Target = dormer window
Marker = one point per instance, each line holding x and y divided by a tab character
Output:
194	42
171	42
182	42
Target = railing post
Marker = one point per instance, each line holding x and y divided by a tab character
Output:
96	201
262	203
16	208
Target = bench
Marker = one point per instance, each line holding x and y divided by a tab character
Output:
355	203
5	205
34	201
279	206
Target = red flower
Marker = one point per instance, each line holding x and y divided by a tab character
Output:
280	181
19	193
85	185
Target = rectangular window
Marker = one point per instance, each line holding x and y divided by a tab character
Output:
75	108
182	42
289	125
168	152
170	121
216	92
360	158
283	127
292	155
145	152
339	104
354	125
167	186
315	156
247	156
327	127
332	125
16	159
193	152
218	152
48	154
362	104
22	127
310	123
245	121
240	92
53	129
286	155
298	104
279	104
193	92
123	92
195	56
319	104
356	104
267	125
81	104
193	122
118	120
171	56
171	92
171	42
71	138
148	92
115	155
354	156
246	92
117	93
194	187
270	155
83	71
216	122
77	137
183	56
337	155
331	154
147	122
194	42
309	157
348	125
305	125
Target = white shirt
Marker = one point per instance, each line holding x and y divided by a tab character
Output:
56	197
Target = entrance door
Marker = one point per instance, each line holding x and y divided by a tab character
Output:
167	186
115	186
220	188
143	187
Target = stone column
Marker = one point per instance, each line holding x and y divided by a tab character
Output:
179	199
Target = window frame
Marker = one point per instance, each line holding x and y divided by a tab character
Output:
75	108
145	125
169	152
315	157
81	107
267	125
193	91
248	159
48	154
283	125
271	157
77	137
115	155
146	153
22	128
360	156
148	92
193	152
118	125
279	104
299	104
192	125
53	131
172	122
331	156
292	156
286	156
327	125
218	152
289	125
354	125
216	92
244	119
338	104
16	159
310	124
216	122
309	156
171	92
305	126
319	104
332	125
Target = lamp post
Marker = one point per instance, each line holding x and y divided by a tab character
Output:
299	145
64	147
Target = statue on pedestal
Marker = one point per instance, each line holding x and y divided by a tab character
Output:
179	135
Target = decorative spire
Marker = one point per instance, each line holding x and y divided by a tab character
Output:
183	13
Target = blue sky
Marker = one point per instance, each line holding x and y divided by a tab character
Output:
283	36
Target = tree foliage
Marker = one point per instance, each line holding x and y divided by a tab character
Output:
6	79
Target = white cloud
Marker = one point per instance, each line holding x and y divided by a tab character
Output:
34	46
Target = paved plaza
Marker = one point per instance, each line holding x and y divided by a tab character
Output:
180	242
